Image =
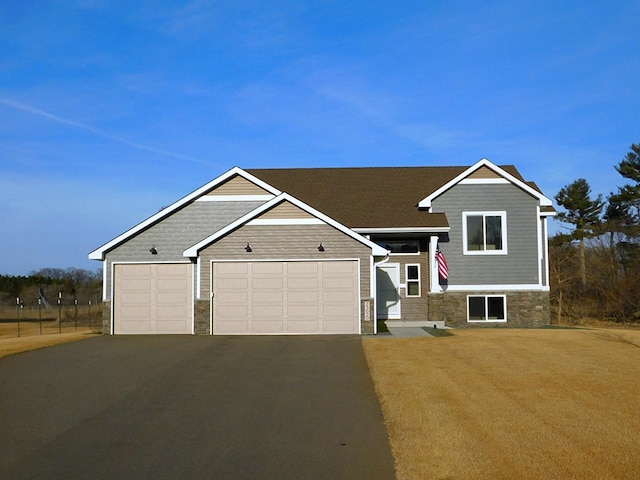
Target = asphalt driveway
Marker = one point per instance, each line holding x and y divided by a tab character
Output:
192	407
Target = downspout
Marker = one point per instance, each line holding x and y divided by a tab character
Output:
374	288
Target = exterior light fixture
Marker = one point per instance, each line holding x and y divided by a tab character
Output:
248	248
153	250
321	247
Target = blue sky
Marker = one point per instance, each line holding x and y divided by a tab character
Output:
111	110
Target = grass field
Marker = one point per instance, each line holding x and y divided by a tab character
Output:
511	404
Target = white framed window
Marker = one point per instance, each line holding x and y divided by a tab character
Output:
486	308
484	233
412	279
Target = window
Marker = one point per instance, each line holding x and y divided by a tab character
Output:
487	308
412	279
400	246
484	232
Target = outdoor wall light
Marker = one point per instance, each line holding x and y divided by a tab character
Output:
248	248
153	250
321	247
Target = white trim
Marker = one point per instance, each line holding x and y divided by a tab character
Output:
426	202
376	249
547	283
497	287
197	294
487	320
105	268
434	276
548	214
484	181
540	247
396	266
99	253
210	295
368	230
484	214
235	198
286	221
407	280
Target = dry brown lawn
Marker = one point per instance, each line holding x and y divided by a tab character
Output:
31	339
511	404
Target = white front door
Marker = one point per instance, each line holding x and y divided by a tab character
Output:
388	291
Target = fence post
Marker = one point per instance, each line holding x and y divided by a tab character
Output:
18	313
59	312
40	313
75	302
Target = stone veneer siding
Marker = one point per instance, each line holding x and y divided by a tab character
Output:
528	309
202	313
106	317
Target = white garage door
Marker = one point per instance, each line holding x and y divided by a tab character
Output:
285	297
152	298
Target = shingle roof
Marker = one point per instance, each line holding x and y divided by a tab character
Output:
368	197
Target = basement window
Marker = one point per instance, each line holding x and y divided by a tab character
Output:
486	308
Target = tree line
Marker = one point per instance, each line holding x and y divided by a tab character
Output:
595	267
47	284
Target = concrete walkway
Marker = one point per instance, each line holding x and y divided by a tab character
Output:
408	332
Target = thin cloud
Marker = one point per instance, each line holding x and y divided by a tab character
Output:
65	121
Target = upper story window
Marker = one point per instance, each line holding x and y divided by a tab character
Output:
484	233
401	246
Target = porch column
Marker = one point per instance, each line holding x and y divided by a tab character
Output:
433	266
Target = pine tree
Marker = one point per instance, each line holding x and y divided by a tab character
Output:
582	212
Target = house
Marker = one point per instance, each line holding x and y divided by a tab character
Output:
332	250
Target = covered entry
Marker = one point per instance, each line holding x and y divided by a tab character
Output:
286	297
153	298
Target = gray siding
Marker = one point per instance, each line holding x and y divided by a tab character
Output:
520	265
286	242
177	232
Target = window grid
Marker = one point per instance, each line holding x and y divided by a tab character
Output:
412	279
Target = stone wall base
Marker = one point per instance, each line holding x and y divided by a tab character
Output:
529	309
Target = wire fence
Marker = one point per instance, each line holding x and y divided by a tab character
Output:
26	320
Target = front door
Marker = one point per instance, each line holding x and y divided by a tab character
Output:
388	291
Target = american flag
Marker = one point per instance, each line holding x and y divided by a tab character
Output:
443	268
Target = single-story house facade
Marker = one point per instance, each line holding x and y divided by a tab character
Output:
333	251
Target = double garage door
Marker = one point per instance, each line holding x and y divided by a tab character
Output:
248	298
285	297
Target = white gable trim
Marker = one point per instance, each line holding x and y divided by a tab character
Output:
99	253
426	202
376	249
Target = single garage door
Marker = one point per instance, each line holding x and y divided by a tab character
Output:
285	297
153	298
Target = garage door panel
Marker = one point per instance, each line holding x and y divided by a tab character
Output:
304	297
301	325
337	283
302	283
273	311
339	326
267	326
286	297
267	268
153	298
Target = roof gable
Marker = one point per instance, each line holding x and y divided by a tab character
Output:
485	172
260	190
284	202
